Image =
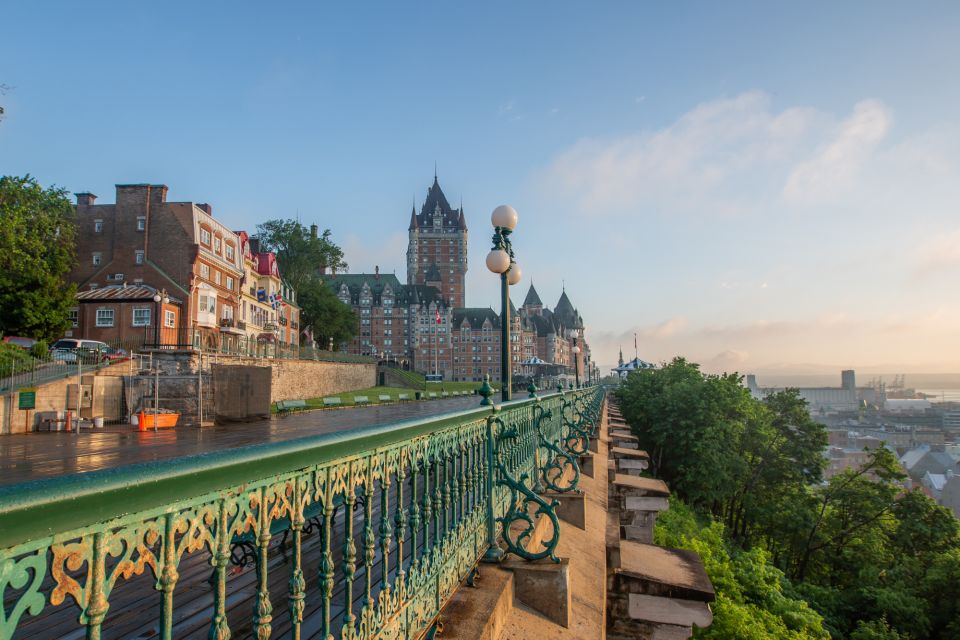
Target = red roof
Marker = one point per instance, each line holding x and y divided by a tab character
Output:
267	264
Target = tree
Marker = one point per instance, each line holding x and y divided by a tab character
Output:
691	425
37	251
324	314
300	254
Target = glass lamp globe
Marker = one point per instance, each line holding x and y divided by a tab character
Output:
156	297
498	261
514	275
504	217
576	349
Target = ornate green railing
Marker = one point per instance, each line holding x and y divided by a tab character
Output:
372	530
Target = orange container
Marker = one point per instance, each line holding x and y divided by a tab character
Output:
163	420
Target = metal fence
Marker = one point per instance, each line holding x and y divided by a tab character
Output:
361	534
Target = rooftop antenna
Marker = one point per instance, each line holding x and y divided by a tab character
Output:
636	353
434	170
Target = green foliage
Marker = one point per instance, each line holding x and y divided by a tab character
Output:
13	360
324	314
300	255
302	259
856	556
751	602
876	630
39	349
37	251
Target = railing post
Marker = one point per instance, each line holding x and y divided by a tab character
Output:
494	552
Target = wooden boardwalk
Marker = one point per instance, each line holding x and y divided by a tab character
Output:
26	457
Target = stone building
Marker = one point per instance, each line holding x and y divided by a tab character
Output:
176	247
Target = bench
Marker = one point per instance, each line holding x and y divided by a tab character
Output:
333	401
361	400
403	396
384	398
432	394
444	395
289	406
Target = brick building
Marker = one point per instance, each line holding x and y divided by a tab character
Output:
122	314
269	316
437	247
177	247
399	322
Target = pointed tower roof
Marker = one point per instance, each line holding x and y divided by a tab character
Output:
462	222
413	217
533	298
435	197
566	313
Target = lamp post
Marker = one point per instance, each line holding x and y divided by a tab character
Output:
576	363
158	297
500	260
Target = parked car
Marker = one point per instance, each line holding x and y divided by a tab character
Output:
89	351
20	341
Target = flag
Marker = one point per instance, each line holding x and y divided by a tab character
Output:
438	315
261	295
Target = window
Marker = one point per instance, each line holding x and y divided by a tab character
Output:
216	277
97	258
104	317
98	226
230	283
228	250
141	223
216	245
139	256
141	317
169	319
205	271
74	318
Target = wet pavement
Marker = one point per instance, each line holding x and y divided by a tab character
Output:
26	457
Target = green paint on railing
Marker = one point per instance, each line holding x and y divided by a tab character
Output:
425	499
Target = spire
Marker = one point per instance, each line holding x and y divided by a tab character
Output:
413	217
620	361
462	222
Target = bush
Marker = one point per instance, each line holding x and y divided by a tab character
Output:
13	360
39	349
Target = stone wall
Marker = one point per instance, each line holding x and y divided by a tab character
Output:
289	380
302	379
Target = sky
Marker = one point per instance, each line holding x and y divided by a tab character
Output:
760	187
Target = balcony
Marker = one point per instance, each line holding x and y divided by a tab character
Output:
229	325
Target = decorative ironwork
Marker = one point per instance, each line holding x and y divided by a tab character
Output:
422	504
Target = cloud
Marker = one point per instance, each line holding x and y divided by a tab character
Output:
730	156
938	254
727	360
835	166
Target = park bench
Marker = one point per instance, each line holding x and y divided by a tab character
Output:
433	394
333	401
361	400
444	395
403	396
384	398
289	406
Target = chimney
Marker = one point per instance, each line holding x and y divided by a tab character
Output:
376	272
313	231
158	193
204	206
86	199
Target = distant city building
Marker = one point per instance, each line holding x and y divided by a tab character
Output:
824	400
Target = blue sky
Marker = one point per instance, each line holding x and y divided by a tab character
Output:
755	185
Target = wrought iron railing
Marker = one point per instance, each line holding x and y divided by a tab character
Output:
373	530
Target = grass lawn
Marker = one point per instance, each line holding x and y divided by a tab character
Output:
374	393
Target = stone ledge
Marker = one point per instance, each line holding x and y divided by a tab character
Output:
480	612
648	486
